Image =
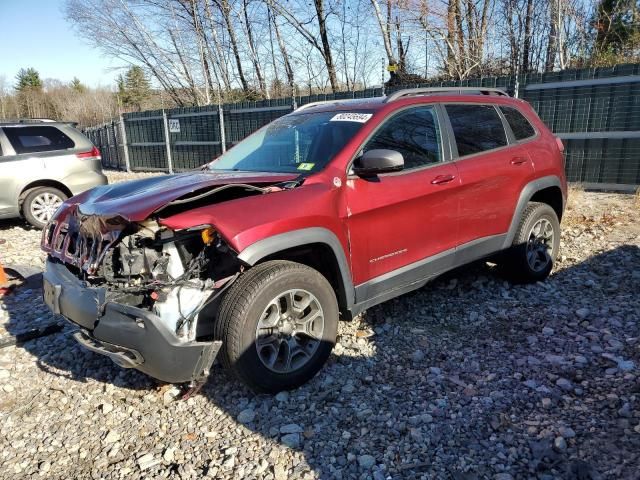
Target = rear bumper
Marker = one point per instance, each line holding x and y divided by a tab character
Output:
130	336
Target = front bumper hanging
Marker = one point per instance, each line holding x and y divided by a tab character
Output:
132	337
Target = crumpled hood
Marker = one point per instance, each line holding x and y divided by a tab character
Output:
136	200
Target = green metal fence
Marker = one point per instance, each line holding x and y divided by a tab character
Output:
595	111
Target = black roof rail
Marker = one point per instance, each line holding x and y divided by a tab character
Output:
410	92
326	102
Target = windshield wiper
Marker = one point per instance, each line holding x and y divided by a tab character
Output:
296	182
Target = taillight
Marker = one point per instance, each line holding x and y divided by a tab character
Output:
561	148
93	153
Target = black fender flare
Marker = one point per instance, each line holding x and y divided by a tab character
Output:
296	238
525	196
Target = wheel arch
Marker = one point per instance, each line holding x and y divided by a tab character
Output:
552	196
42	183
543	190
316	247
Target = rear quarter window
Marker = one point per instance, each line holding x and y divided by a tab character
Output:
519	124
476	128
37	139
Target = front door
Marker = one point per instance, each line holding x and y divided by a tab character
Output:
398	221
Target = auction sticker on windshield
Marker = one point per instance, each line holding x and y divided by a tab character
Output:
351	117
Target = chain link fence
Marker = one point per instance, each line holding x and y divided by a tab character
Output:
596	112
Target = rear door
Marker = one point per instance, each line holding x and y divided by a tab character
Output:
16	170
493	169
397	220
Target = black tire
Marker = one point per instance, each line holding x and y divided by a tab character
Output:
29	208
516	263
243	307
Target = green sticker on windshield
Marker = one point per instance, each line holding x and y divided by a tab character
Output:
306	166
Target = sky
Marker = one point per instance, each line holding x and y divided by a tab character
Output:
35	33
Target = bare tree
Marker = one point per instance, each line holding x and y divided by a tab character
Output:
225	9
253	50
319	42
283	49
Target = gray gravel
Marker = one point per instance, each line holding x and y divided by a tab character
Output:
470	377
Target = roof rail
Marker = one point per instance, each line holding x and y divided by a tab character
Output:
313	104
27	120
409	92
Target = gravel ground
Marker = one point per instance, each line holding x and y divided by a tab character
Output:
469	377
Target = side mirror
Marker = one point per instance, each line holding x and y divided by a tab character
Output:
378	161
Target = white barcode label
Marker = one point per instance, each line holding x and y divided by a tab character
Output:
351	117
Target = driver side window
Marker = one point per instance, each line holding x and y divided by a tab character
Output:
414	133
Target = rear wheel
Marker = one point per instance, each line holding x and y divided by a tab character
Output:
40	204
535	245
278	324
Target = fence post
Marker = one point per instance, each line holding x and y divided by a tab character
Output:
166	140
114	153
125	145
223	139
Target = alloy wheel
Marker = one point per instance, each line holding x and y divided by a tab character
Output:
44	206
289	331
540	245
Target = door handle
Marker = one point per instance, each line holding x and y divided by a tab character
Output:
441	179
519	160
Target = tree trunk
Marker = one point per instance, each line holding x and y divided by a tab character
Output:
216	55
384	30
203	61
253	52
526	48
513	41
226	14
187	73
402	53
483	31
552	46
471	29
283	49
462	60
326	47
451	38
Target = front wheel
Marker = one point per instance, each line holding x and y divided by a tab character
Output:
278	324
40	204
535	245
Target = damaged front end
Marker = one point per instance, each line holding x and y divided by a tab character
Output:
142	294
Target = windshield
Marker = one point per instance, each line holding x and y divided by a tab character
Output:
300	143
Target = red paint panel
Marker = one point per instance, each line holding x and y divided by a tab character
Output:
491	186
399	219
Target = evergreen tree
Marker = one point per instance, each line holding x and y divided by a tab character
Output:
28	79
77	85
134	88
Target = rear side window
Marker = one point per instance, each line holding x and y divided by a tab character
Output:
476	128
37	139
520	126
414	133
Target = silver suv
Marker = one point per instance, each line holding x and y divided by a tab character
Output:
42	163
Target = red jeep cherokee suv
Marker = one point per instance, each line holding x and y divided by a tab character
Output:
323	213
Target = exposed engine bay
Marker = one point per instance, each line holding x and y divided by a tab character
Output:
174	275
